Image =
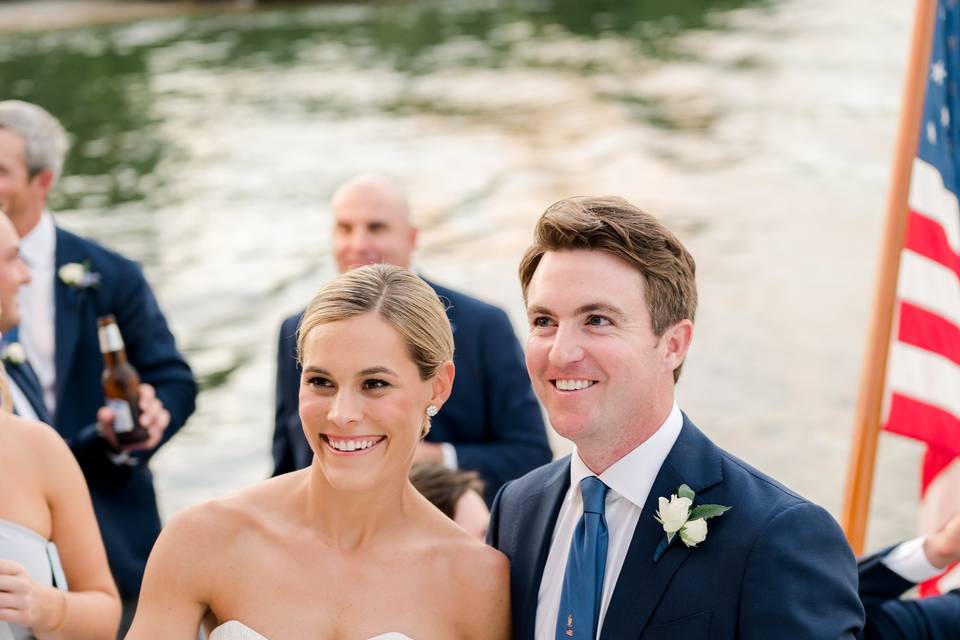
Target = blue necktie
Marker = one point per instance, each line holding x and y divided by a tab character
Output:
583	581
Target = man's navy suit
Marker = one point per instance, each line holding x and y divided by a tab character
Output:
123	495
774	566
888	618
492	417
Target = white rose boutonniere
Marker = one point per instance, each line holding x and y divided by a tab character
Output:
679	516
78	275
13	353
694	532
673	513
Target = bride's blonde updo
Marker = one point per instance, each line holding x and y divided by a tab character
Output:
398	296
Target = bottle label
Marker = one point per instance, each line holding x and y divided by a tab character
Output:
123	422
110	339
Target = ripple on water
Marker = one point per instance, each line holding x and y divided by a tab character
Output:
208	149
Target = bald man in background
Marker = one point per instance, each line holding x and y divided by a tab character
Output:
492	422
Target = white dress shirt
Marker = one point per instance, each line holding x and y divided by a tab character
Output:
909	562
629	479
37	307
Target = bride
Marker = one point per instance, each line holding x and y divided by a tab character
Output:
346	548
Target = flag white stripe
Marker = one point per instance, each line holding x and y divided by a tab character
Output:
929	197
924	376
928	284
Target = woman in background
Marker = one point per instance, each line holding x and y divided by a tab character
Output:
458	494
46	518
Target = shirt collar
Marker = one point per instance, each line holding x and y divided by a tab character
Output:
632	476
38	247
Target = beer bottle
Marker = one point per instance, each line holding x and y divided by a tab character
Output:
121	384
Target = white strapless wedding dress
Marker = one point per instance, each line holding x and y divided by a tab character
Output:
234	630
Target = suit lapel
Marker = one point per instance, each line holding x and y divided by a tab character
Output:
66	319
538	514
694	461
26	380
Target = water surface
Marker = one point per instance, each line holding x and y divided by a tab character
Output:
207	148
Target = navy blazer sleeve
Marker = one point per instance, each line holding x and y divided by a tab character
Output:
889	618
286	401
151	349
801	541
518	440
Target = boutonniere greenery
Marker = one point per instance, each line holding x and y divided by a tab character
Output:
680	519
13	353
78	275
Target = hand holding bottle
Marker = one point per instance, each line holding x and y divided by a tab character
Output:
153	417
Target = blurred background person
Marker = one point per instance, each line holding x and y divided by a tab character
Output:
887	574
492	423
458	494
73	281
49	539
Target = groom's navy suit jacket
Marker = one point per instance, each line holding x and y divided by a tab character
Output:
889	618
492	418
123	495
773	567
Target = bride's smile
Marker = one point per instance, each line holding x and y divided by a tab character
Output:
351	445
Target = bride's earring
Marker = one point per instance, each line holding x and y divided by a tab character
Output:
432	410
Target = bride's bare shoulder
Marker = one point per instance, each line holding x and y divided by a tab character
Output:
480	559
478	574
463	554
242	514
204	549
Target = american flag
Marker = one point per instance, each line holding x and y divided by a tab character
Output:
923	376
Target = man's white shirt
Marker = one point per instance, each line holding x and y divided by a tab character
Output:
909	561
37	306
630	480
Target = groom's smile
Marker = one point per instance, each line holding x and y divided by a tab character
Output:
563	384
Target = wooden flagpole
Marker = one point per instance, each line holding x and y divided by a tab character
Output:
866	427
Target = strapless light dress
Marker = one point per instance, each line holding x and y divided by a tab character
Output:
234	630
38	556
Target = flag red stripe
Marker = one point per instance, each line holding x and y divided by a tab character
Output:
914	419
932	586
929	331
934	461
926	237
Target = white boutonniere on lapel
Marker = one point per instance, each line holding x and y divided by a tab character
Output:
13	353
681	519
77	275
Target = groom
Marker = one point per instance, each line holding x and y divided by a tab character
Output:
610	297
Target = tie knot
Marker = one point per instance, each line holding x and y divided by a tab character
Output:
594	494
